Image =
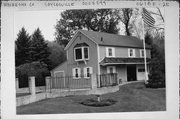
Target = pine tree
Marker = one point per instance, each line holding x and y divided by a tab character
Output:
22	47
38	49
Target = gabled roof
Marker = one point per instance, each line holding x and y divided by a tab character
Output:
63	63
107	39
119	60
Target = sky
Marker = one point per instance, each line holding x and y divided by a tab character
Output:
45	20
31	20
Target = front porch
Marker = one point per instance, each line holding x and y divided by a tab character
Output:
127	69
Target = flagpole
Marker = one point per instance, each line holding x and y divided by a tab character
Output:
144	45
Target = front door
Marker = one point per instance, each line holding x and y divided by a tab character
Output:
131	73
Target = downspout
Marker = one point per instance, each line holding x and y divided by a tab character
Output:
98	65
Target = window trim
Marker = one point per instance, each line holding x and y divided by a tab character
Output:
134	54
107	51
88	53
75	53
82	50
74	73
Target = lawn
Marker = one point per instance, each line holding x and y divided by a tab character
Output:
130	98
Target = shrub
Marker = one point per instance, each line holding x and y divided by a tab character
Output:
37	69
156	80
95	103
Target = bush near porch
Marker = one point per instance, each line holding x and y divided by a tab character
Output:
130	98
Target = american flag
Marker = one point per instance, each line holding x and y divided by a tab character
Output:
148	19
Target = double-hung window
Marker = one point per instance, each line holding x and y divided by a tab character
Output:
87	72
141	53
110	52
131	53
76	73
81	53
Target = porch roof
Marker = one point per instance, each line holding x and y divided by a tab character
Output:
119	60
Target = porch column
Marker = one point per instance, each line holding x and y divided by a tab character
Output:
32	85
17	83
48	83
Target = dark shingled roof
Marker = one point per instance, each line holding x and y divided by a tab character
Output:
119	60
108	39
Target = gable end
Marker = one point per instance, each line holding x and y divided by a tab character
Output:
74	37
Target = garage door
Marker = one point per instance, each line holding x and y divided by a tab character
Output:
59	80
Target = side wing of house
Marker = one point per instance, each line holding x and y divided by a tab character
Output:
127	62
60	71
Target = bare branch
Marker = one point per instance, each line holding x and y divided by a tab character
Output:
136	30
154	13
160	14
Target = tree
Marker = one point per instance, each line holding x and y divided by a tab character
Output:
22	47
156	31
103	20
37	69
57	54
38	50
125	15
157	63
158	28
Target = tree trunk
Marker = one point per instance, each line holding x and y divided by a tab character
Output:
127	30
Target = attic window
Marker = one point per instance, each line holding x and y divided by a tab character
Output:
81	53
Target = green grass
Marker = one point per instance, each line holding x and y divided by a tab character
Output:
130	98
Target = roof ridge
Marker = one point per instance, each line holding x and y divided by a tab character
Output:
108	33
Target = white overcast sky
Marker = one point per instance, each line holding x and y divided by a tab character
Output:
31	20
45	20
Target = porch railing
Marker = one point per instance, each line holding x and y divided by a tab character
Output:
70	82
105	80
